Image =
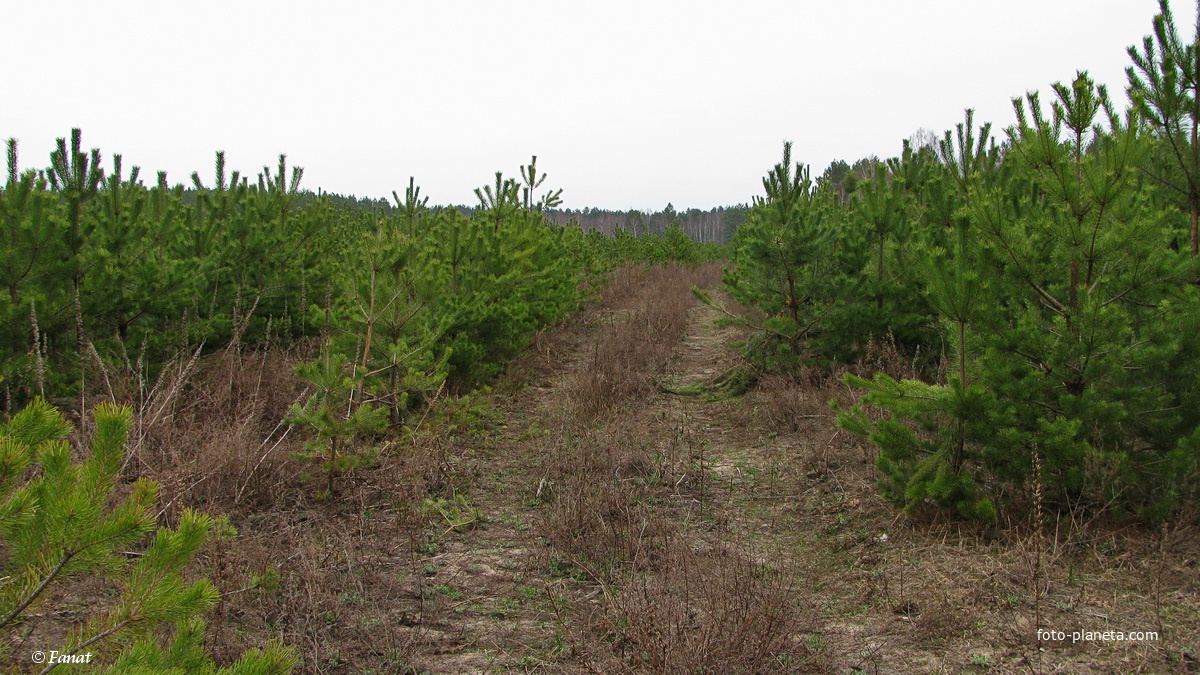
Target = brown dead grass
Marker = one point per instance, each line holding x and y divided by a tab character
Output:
714	610
636	343
347	592
216	439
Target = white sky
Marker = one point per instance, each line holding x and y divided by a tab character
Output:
626	104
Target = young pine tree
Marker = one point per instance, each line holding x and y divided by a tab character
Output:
928	449
336	417
780	258
1164	83
60	524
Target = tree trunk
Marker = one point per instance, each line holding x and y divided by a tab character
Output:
1195	230
879	276
1073	291
393	402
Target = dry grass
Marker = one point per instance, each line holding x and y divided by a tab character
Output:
597	513
338	580
605	469
637	343
349	590
214	435
714	611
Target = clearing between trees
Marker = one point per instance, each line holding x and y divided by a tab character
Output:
613	505
582	518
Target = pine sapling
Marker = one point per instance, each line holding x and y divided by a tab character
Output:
335	418
59	524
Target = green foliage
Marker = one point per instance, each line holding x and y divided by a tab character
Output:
336	417
458	515
387	316
59	524
827	274
673	245
1047	285
918	461
1068	314
531	182
97	265
1100	319
185	655
781	262
498	276
1164	84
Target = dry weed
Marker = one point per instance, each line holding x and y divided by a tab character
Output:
633	349
712	611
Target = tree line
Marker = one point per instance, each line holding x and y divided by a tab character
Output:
716	225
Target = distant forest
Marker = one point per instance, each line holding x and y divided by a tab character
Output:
716	225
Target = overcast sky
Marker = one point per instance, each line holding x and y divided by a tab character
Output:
626	104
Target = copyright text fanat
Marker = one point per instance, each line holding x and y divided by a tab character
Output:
55	657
